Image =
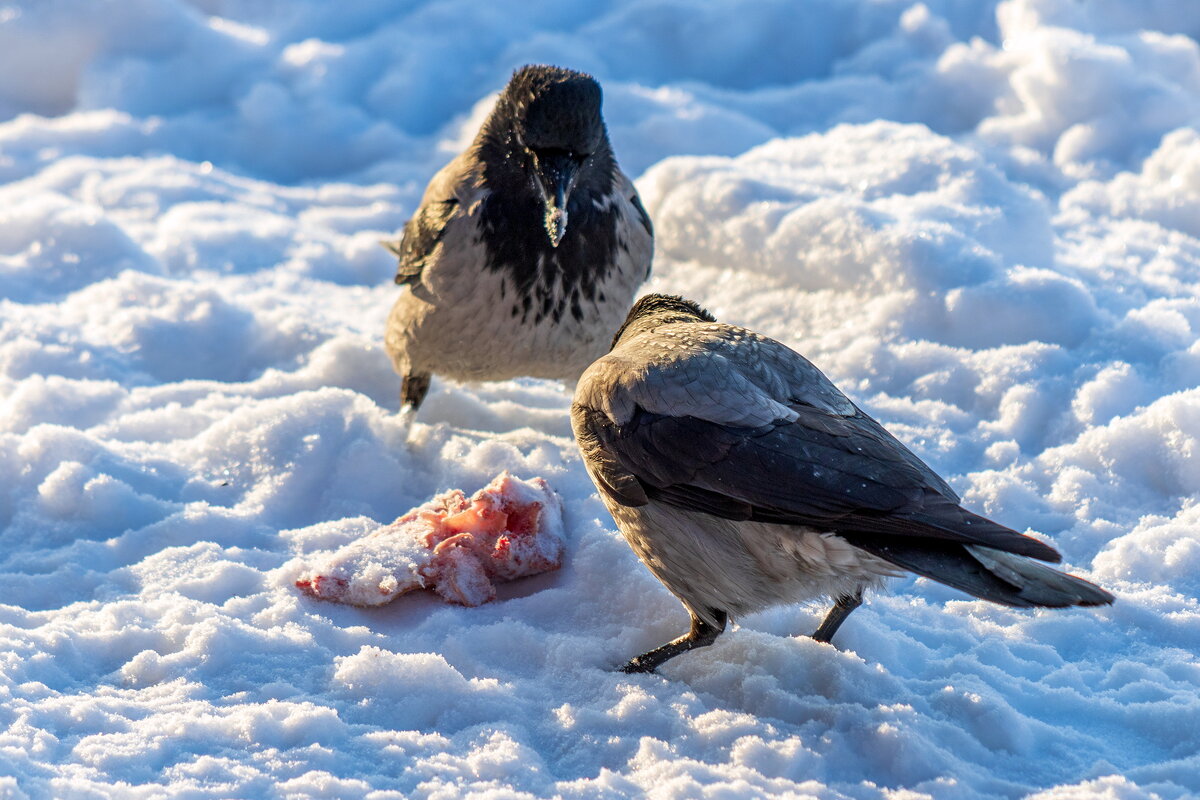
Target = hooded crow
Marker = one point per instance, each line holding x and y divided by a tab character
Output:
743	478
526	250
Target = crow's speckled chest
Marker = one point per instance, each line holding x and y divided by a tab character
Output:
534	309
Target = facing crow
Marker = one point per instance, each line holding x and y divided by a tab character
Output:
743	478
526	250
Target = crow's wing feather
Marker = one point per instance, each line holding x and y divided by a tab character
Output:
817	471
421	235
451	190
822	464
643	219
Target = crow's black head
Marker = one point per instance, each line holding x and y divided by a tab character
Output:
550	214
664	308
546	134
556	109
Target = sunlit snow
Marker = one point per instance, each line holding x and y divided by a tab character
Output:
981	219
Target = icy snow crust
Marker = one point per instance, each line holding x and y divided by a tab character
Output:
981	219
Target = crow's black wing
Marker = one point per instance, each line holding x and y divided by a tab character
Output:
821	470
421	235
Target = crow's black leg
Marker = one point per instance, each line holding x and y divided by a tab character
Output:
837	615
701	635
413	389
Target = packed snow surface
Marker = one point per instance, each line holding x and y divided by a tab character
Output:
981	219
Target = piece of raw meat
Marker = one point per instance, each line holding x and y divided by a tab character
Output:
456	546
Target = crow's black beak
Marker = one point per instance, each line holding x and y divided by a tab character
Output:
556	173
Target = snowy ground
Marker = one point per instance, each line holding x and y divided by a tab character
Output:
981	219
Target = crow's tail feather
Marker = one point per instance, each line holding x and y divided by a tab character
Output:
990	574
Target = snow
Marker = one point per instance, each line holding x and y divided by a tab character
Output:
981	219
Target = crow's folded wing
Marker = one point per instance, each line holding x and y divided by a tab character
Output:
830	472
421	235
443	198
643	235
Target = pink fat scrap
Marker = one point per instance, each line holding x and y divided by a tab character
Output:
456	546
